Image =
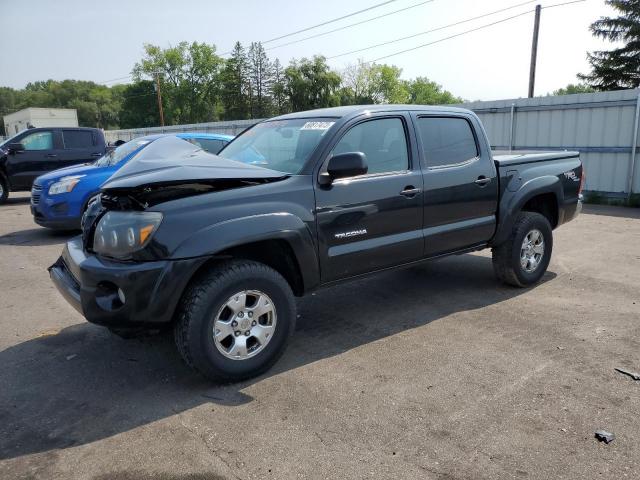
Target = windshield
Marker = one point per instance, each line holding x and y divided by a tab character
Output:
120	153
283	145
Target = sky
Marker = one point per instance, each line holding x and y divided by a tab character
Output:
102	40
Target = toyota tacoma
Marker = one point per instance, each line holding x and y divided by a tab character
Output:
217	247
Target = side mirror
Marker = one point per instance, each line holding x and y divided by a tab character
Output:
344	165
15	147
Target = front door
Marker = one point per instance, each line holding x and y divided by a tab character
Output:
460	183
38	155
372	221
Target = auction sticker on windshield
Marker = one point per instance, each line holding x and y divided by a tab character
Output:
317	126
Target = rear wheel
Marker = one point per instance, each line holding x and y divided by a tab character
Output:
234	322
523	259
4	189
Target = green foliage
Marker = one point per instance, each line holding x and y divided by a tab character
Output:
310	83
198	86
422	91
189	78
139	105
618	68
572	89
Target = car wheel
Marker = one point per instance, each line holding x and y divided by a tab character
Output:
4	189
523	259
234	321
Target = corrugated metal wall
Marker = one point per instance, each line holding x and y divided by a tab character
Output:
599	125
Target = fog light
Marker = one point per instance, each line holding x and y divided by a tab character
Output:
121	296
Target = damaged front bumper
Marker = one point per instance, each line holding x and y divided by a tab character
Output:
121	294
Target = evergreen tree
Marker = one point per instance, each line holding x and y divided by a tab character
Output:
260	80
235	85
278	90
618	68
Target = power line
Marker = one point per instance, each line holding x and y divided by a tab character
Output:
329	21
431	31
351	25
377	5
470	31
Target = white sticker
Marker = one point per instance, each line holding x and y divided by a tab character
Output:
317	126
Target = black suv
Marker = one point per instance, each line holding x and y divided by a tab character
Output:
36	151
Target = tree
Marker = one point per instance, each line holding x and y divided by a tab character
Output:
572	89
423	91
260	81
190	79
278	90
618	68
139	105
310	83
234	84
365	83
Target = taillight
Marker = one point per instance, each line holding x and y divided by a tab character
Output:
583	180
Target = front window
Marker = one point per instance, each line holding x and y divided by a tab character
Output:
38	141
282	145
118	154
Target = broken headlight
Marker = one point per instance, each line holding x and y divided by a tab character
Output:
119	234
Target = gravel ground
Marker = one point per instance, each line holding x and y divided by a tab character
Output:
431	372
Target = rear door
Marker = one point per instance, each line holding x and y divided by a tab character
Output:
41	148
460	182
372	221
80	146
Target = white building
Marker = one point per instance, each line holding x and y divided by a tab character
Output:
39	117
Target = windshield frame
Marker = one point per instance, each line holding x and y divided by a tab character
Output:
306	167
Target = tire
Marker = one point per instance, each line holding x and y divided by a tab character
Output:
4	189
508	257
205	306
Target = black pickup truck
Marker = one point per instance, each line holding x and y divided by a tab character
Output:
218	246
36	151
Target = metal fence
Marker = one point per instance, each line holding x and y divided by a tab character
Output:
229	128
601	126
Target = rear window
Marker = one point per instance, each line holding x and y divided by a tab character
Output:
446	141
77	139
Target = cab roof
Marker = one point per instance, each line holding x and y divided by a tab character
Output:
355	110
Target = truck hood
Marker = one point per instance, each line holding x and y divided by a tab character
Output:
173	161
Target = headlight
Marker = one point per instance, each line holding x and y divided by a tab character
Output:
119	234
64	185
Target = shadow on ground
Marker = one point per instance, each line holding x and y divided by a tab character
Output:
37	237
611	211
83	384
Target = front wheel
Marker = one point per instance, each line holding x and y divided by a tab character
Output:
523	259
4	190
234	321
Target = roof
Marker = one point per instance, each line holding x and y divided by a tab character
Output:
212	136
353	110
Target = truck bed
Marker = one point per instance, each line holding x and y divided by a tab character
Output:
505	158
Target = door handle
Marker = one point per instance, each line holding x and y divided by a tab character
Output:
51	155
96	154
482	181
410	191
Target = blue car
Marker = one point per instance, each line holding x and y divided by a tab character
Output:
59	198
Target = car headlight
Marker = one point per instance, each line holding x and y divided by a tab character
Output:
119	234
64	185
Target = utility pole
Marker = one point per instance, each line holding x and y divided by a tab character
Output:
159	98
534	52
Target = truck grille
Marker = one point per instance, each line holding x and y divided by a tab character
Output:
36	190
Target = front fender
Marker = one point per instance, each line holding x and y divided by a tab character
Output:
221	236
512	202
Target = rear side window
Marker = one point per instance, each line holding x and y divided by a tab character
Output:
383	141
76	139
446	141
